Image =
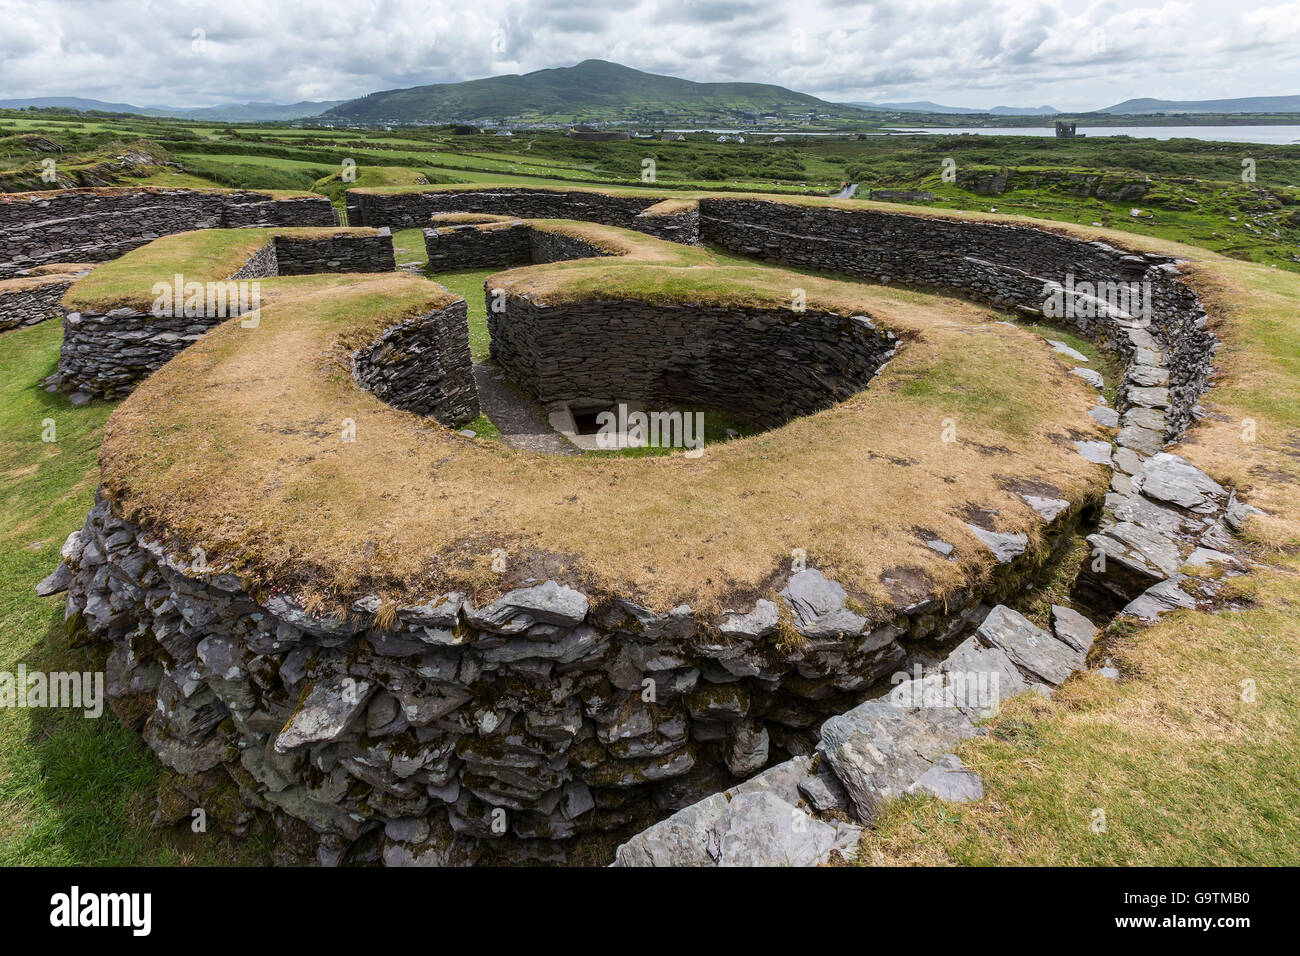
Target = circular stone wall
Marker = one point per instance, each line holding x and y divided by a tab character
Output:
503	650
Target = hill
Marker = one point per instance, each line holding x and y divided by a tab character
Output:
924	106
593	88
1243	104
226	112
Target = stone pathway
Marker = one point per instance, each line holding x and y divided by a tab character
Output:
522	423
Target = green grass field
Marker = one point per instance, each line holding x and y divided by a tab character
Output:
74	790
1186	773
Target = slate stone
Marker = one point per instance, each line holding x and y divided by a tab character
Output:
56	582
1048	508
1030	648
1128	461
1073	628
442	612
576	800
1063	349
949	779
879	748
1167	477
321	625
757	623
1142	440
1097	452
1104	416
1091	376
1144	512
332	706
1005	546
1149	418
1238	511
761	829
746	749
823	791
518	610
981	677
809	594
686	838
573	644
1152	397
939	547
1160	599
1203	557
1147	375
407	829
1157	550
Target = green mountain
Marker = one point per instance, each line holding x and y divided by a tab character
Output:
1242	104
593	88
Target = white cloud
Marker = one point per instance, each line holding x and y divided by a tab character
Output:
1074	55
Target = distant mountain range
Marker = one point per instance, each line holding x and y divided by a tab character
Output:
1244	104
928	107
600	90
226	113
594	88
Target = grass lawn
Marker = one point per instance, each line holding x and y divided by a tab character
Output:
73	790
1192	756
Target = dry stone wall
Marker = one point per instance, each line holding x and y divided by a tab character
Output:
296	256
450	732
1008	266
413	209
106	354
473	246
31	300
424	366
447	733
764	365
98	225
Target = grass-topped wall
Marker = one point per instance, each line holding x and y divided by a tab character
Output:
405	636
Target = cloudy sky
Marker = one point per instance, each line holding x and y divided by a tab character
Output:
1076	54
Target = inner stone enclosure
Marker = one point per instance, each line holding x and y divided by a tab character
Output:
441	731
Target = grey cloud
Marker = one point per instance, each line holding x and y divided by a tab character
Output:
957	51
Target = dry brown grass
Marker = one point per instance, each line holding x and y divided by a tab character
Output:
467	218
24	283
671	207
1251	437
63	268
205	255
235	445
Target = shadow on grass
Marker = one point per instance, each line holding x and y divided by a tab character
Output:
94	781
